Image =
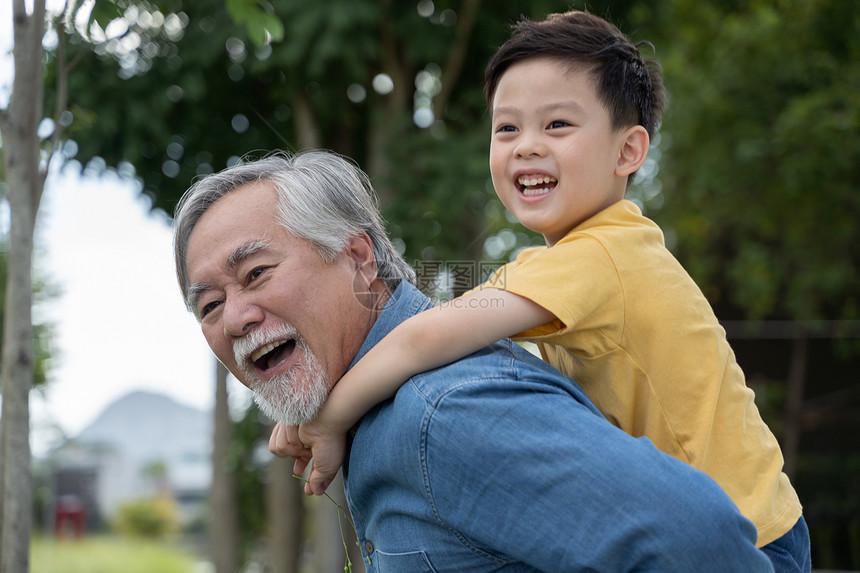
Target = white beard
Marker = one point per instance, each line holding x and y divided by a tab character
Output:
293	397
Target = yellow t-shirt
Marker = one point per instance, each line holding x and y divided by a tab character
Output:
638	335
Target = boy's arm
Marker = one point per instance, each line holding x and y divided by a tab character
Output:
430	339
433	338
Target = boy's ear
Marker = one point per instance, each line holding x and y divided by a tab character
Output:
634	150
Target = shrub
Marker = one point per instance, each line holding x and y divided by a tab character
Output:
151	518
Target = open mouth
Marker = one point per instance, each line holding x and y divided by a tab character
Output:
273	354
533	185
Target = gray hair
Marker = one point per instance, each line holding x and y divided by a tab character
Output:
323	198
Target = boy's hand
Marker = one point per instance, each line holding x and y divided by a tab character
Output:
328	449
312	440
284	443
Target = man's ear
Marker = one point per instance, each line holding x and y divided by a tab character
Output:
360	250
365	287
634	150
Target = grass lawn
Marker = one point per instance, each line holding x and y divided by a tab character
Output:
108	554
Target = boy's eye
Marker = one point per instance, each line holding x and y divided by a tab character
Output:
557	124
505	129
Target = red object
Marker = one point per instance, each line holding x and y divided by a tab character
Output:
69	517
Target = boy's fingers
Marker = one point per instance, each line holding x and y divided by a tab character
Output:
284	443
291	434
300	465
276	440
318	482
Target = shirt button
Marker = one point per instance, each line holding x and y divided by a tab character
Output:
368	546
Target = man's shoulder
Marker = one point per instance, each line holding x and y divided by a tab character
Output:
503	366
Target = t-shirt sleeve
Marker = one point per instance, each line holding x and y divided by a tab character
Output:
575	279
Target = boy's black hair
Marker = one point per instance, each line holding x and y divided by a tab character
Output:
631	88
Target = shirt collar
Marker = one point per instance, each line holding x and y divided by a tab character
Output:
403	303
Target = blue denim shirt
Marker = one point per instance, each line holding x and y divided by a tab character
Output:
498	462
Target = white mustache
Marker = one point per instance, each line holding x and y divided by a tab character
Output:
257	338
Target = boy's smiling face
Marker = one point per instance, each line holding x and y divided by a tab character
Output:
554	158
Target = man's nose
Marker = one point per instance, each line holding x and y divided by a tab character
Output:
240	315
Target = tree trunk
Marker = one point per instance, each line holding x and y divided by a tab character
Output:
333	531
392	105
285	513
307	130
225	513
466	18
19	126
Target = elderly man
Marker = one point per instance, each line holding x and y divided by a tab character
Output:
495	462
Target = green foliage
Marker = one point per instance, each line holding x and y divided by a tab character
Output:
153	518
761	151
260	23
186	103
108	555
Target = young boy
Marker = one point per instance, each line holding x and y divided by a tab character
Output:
573	109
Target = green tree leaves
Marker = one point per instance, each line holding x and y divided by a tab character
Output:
261	24
761	178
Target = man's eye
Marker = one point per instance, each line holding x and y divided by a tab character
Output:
255	273
207	308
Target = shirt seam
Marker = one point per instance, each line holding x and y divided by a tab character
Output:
425	470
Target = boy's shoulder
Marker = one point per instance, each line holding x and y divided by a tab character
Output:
619	227
622	221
